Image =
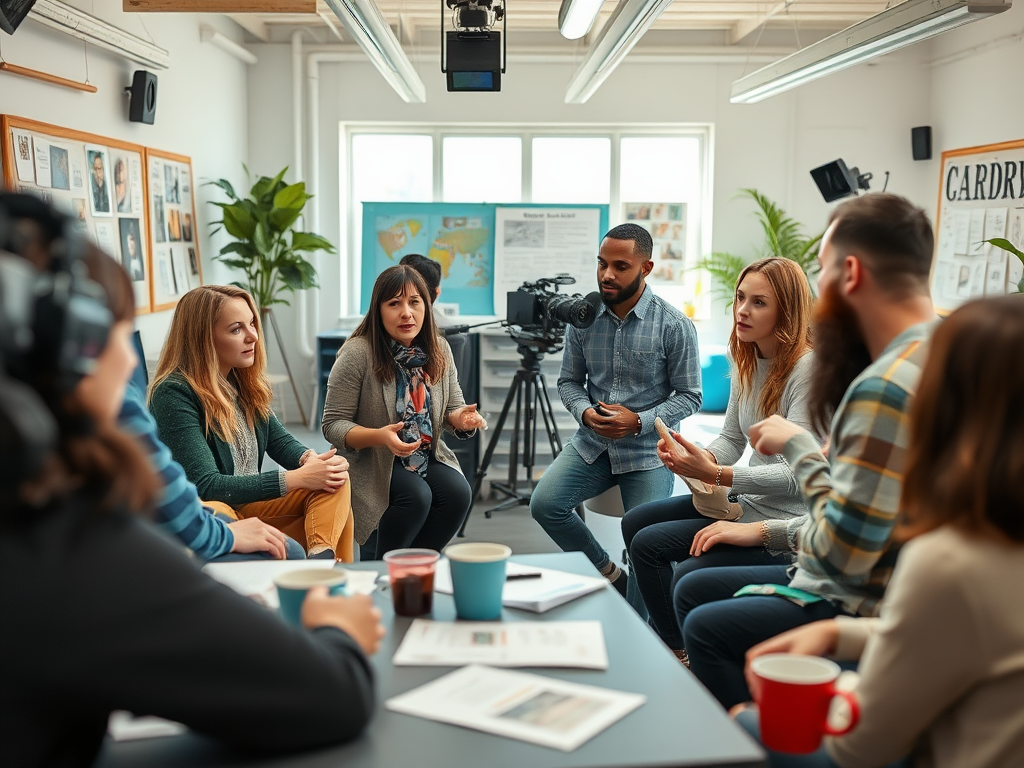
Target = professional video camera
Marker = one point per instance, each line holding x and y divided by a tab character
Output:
538	314
473	51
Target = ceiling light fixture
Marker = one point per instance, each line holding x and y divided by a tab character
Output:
74	22
576	17
210	35
365	23
626	26
905	24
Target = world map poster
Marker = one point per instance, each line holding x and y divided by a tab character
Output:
459	237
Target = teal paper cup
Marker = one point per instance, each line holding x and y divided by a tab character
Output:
478	578
292	587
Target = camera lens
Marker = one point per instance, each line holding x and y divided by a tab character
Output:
574	310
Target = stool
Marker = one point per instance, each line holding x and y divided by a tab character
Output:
608	503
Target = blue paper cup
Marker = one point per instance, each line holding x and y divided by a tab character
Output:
478	578
292	587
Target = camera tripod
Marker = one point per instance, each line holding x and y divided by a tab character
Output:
529	391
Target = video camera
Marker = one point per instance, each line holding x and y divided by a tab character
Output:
538	314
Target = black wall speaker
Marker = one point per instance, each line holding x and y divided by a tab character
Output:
921	141
13	12
143	92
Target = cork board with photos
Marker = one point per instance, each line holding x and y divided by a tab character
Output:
174	244
97	180
667	224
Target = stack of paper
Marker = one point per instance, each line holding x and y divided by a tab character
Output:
578	644
543	590
255	578
552	713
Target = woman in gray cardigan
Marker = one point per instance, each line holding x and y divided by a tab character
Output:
393	390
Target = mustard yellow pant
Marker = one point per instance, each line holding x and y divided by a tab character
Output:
315	519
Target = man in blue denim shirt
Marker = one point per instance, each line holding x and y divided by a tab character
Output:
638	360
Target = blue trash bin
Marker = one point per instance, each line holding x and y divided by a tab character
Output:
714	372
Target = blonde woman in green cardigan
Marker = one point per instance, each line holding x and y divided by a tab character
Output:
211	401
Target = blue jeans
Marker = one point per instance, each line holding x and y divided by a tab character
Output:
719	629
570	481
748	720
292	549
659	534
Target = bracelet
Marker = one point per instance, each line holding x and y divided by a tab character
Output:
639	424
718	477
765	533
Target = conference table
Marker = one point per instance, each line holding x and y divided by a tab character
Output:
680	725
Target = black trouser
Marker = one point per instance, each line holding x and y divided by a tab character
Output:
423	512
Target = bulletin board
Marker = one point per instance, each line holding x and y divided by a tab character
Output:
174	243
981	196
95	179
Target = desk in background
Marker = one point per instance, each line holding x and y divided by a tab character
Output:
680	726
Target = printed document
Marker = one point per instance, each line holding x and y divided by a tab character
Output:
541	710
576	644
255	578
541	590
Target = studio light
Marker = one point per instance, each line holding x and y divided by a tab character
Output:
905	24
576	17
836	181
74	22
364	22
473	53
627	24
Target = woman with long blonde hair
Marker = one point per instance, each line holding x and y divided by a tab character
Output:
211	401
771	356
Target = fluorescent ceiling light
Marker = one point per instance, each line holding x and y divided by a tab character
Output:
909	22
576	17
365	23
626	26
74	22
210	35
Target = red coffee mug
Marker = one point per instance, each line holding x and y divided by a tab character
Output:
794	699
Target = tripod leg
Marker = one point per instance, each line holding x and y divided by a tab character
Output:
549	413
481	471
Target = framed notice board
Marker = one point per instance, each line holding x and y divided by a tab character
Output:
97	180
981	196
174	243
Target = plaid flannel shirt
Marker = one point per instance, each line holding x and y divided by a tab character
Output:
845	547
647	362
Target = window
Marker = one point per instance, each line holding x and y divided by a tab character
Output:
572	169
482	169
661	172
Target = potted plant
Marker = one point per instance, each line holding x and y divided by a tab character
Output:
267	247
1006	245
784	237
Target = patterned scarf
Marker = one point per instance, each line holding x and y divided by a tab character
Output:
412	404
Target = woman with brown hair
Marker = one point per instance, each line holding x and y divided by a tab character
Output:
211	401
100	612
942	670
771	359
393	390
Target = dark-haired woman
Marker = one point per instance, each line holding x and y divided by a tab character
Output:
102	613
942	669
392	392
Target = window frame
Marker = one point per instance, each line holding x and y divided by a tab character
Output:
526	132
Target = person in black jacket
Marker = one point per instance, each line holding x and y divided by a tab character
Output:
98	612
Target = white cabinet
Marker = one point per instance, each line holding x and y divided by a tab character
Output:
499	361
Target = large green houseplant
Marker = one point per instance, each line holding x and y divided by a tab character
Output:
784	236
267	247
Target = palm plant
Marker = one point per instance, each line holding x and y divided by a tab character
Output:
784	237
267	248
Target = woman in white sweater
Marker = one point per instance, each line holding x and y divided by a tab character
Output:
942	669
771	360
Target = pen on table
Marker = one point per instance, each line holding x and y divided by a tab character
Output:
513	576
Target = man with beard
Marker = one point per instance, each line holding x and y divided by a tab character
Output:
637	361
871	326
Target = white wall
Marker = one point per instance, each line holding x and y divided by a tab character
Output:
863	115
201	111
